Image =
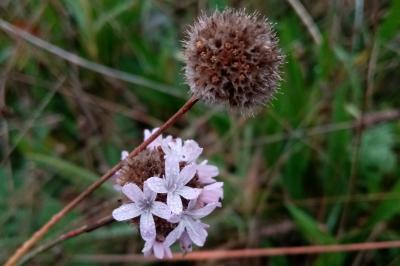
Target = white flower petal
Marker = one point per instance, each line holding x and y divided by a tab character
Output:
148	245
174	202
188	192
185	242
192	205
167	252
202	212
161	209
126	212
196	232
124	155
171	169
174	235
212	193
206	173
148	193
191	151
133	192
186	174
157	184
147	226
158	250
175	218
155	143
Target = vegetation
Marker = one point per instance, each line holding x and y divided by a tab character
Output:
317	166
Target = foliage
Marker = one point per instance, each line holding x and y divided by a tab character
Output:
66	125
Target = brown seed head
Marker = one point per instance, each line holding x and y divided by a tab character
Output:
233	58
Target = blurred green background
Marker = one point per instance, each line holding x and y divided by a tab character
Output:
299	173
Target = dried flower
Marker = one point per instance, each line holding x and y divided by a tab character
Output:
233	58
166	192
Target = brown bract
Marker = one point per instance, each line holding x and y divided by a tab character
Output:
233	58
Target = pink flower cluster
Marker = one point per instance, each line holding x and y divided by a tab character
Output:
180	197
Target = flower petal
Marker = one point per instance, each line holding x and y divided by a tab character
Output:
207	172
188	192
161	209
157	184
192	205
202	212
147	226
126	212
174	235
133	192
155	143
148	193
212	193
167	252
148	245
191	151
171	169
174	202
124	155
175	218
185	242
158	248
196	232
186	174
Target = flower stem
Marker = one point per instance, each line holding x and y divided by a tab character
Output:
28	244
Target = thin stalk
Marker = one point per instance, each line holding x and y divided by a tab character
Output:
73	233
27	245
212	255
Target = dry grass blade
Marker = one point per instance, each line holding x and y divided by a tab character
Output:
77	60
307	20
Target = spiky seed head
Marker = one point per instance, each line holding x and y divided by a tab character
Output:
233	58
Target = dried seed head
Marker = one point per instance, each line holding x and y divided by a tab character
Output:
233	58
146	164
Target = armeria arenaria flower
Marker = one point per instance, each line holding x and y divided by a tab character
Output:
166	192
174	184
144	205
189	222
233	58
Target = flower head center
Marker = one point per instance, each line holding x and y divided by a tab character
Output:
147	204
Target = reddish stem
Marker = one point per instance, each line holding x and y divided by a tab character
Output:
246	253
